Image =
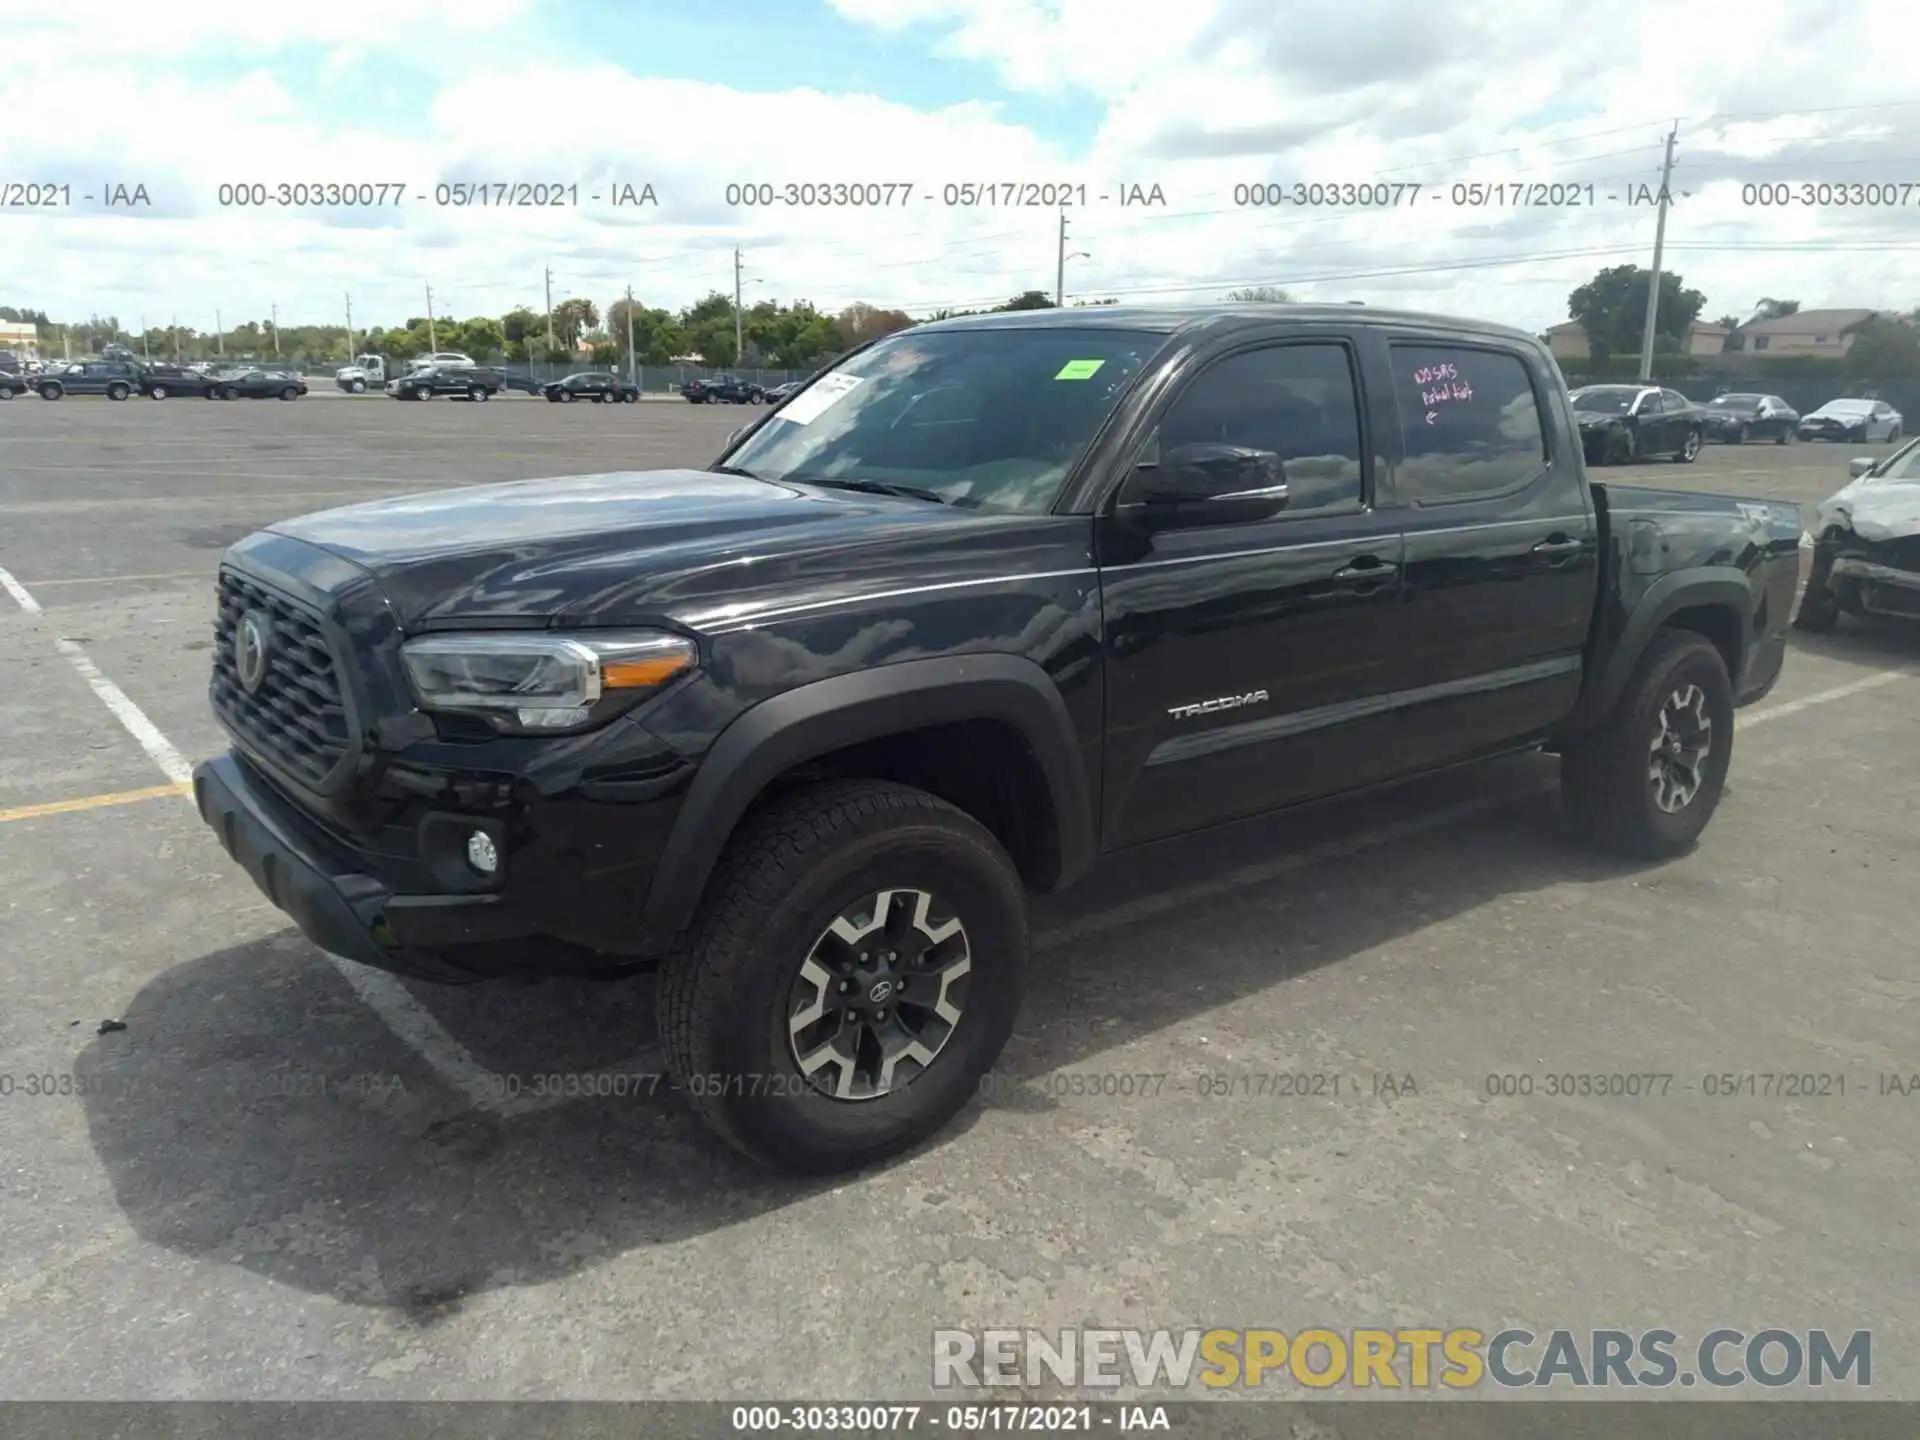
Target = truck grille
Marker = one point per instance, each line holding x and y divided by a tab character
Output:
297	716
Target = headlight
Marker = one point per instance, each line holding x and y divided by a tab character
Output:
530	683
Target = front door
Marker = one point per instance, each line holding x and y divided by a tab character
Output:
1249	662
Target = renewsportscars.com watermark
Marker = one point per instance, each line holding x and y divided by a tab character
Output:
1416	1358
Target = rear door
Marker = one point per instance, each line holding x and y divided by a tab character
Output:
1502	552
1249	661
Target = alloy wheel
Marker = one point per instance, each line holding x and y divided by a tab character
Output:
1677	758
879	995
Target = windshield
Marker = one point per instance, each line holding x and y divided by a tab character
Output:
984	419
1735	402
1846	407
1605	399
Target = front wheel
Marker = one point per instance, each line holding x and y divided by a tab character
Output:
230	393
290	393
51	392
1784	437
1690	449
854	970
477	393
1740	436
358	387
156	392
1645	782
118	392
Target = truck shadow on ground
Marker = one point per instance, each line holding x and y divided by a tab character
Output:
255	1112
1881	641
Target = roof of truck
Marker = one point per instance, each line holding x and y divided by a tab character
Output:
1223	315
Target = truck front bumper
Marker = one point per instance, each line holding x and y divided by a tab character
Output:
324	888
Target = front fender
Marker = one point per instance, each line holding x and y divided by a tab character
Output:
826	715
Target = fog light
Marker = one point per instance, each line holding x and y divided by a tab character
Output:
482	855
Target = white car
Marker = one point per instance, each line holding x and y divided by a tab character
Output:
1862	421
443	358
1866	545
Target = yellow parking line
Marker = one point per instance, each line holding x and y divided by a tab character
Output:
93	802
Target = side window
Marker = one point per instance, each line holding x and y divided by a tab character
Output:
1675	401
1650	402
1299	401
1470	422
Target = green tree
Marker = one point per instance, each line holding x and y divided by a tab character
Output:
1612	309
861	322
520	324
1769	308
1884	349
482	337
571	318
1028	300
1262	294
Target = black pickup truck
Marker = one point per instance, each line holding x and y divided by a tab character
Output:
984	602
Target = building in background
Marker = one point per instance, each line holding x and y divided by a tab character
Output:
1805	332
1568	340
22	340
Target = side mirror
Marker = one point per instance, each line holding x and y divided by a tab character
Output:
1210	482
1859	466
734	438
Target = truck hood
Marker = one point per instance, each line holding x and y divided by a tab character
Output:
1875	509
627	547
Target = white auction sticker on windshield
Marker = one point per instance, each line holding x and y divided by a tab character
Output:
814	401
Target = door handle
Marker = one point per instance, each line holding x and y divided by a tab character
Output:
1559	547
1362	573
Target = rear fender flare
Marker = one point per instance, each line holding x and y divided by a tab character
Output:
1715	586
826	715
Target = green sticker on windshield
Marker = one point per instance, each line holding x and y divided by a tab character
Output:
1079	369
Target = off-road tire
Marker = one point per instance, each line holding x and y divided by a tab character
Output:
725	989
1604	779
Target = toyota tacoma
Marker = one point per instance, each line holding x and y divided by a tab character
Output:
985	601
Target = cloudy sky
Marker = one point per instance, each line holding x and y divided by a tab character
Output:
1199	98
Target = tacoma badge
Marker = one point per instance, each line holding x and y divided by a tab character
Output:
1210	707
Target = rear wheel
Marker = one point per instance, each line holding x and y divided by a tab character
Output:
118	392
1689	449
1740	436
290	393
51	392
477	393
1820	607
1646	781
229	393
156	392
854	970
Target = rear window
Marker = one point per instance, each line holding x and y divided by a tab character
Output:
1470	422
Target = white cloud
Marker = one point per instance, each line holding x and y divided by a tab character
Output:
1199	98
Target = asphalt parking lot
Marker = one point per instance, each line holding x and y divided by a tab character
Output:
286	1178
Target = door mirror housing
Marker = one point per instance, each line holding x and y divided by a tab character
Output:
1859	466
1208	484
733	438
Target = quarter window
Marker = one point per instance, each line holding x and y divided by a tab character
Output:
1298	401
1470	422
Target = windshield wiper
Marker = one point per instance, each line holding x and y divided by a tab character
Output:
731	470
872	487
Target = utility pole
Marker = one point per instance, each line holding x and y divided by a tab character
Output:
219	336
1060	263
173	336
275	321
146	345
433	336
1659	243
633	374
549	307
737	346
349	327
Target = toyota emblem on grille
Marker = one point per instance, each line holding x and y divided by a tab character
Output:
250	650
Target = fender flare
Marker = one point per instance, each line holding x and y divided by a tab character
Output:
1720	586
814	719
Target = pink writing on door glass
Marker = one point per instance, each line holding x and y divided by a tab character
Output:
1440	385
1427	374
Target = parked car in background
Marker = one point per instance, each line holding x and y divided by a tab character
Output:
115	379
161	382
781	391
1866	544
600	386
13	383
1862	421
460	382
1736	419
525	384
1623	423
258	385
723	389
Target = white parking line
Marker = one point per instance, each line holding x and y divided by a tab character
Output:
417	1027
